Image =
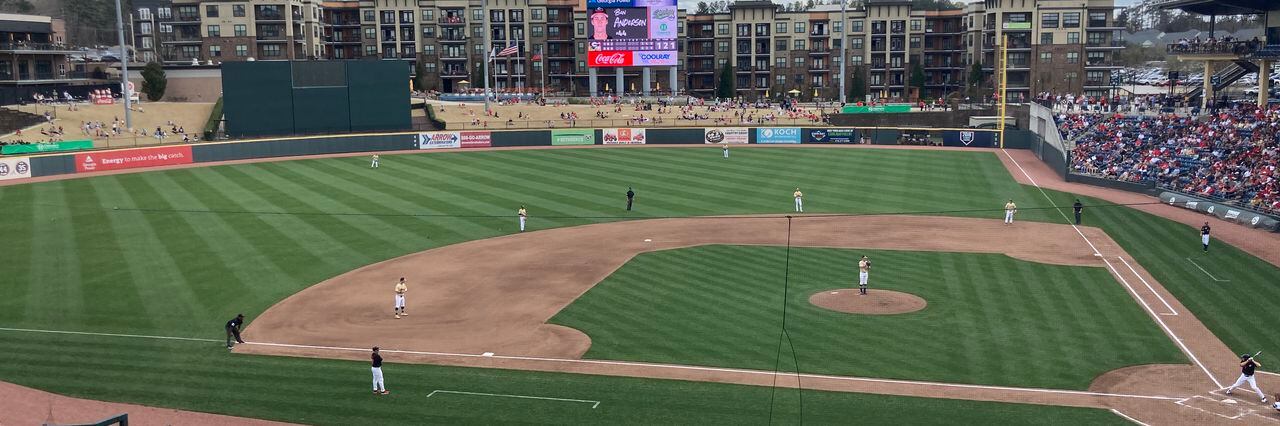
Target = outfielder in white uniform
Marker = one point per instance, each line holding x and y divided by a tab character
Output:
864	267
524	215
1247	366
379	388
401	289
1009	209
375	162
799	200
726	150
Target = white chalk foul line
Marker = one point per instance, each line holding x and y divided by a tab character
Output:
1149	287
594	404
1197	265
1126	417
622	363
1153	313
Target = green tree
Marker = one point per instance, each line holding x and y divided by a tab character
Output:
420	77
724	88
153	81
975	79
858	84
917	76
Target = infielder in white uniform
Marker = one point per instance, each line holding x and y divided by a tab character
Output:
726	150
401	288
379	388
1247	367
1009	209
375	162
799	200
524	215
864	267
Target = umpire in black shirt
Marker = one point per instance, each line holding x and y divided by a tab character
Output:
1077	208
631	196
233	330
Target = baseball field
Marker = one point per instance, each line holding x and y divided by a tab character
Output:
698	306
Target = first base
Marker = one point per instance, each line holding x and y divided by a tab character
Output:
648	240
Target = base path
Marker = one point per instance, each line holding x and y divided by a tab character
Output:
21	405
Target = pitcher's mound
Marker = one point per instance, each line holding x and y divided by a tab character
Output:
876	302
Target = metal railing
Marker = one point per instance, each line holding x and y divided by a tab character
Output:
617	122
1213	48
33	46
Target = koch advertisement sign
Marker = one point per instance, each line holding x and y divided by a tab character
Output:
438	140
725	135
777	135
15	168
132	158
624	136
830	136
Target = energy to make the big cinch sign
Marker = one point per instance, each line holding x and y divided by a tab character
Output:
632	33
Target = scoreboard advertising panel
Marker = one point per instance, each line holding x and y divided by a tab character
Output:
632	33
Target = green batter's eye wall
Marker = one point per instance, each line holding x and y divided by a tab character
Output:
271	98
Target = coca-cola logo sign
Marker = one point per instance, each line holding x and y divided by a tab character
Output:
609	59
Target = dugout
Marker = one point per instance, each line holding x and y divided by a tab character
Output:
275	98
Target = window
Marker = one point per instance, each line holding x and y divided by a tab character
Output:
856	60
429	67
215	51
368	16
535	31
144	28
164	13
780	28
1049	20
1046	57
211	11
166	28
214	31
722	46
857	26
428	15
189	52
144	14
370	50
1073	57
799	27
1097	19
270	50
798	63
477	14
780	62
582	48
799	44
895	62
915	42
720	62
407	51
477	32
781	80
916	25
388	16
744	30
721	29
762	30
582	66
428	31
536	14
780	45
429	49
856	43
237	10
837	27
146	43
1046	38
370	33
582	29
406	17
1071	20
1073	38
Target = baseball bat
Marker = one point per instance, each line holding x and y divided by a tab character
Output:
1256	355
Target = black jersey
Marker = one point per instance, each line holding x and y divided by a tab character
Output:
1248	368
1204	230
377	360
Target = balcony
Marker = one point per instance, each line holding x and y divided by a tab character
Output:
264	16
25	47
452	39
453	73
742	69
1103	25
560	54
183	39
820	52
344	23
702	70
818	34
452	20
271	37
188	18
562	37
453	57
933	31
1101	63
702	52
1104	44
1217	48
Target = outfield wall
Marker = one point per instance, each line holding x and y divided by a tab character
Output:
108	160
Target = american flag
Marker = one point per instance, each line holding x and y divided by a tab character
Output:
510	50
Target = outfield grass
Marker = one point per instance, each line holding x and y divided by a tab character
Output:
991	319
188	249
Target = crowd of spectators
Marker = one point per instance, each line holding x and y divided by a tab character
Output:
1226	44
1231	155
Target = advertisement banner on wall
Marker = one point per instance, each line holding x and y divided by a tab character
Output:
969	138
437	140
725	135
573	137
624	136
33	148
475	139
133	158
777	135
830	136
15	168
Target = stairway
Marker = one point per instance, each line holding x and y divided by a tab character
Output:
1225	77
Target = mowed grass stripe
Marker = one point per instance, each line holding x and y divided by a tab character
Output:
19	248
994	305
56	257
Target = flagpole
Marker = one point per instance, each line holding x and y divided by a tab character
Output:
488	51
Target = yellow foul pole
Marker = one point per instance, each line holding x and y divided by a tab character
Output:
1004	83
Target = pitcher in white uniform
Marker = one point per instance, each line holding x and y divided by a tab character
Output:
401	289
1009	209
799	200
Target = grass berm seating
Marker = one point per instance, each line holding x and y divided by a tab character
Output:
12	120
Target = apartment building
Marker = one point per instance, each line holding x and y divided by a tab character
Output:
33	51
183	31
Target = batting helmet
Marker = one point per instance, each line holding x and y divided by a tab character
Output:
1245	356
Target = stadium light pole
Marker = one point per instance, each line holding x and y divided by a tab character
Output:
488	56
124	68
844	49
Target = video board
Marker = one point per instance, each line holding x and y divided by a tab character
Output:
632	33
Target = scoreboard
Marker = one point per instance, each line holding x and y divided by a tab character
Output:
627	33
